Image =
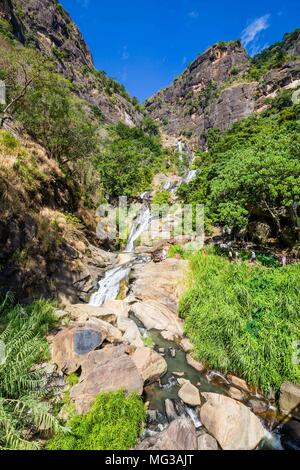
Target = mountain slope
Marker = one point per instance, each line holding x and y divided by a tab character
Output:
224	85
45	25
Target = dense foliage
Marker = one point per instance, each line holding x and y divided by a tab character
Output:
113	423
252	171
23	393
131	158
244	319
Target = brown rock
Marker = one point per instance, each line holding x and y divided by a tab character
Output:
155	315
238	382
207	442
186	345
230	422
289	401
149	363
106	370
70	345
180	435
82	312
195	364
190	394
236	394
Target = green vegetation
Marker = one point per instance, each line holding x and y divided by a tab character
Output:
113	423
244	319
23	391
161	197
273	57
128	163
252	171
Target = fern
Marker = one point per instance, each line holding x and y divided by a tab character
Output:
23	389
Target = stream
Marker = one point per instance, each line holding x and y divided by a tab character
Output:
167	388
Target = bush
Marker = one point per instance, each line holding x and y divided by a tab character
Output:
113	423
23	387
244	319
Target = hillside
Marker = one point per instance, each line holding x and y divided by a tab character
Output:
46	26
224	85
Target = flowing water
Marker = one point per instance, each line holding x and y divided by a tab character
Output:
168	387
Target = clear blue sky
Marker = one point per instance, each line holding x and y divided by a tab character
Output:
145	44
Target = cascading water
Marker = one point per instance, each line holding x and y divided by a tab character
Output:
139	227
109	287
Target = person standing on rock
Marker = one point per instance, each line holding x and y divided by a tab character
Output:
253	257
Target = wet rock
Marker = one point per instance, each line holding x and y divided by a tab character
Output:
170	410
82	312
291	435
172	352
186	345
179	374
233	425
132	334
238	382
199	366
258	406
236	394
207	442
189	394
179	435
106	370
71	344
167	335
289	400
155	315
149	363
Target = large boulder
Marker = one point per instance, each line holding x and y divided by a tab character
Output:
155	315
82	312
180	435
132	334
233	425
198	366
70	345
189	394
290	399
149	363
207	442
106	370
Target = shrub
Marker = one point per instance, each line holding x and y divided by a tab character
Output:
244	319
113	423
22	386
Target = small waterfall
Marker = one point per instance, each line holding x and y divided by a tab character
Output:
190	176
192	412
139	227
109	286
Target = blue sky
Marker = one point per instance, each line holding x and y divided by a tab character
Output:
145	44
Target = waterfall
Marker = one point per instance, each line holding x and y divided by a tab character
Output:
109	286
139	227
190	176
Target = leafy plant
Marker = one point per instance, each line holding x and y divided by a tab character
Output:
113	423
23	387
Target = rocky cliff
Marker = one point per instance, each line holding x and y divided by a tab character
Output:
224	85
48	27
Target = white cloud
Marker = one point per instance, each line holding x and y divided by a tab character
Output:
125	54
193	14
252	31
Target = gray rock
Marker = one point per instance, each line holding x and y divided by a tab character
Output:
179	435
170	410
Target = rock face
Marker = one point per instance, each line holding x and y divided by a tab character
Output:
189	394
207	442
180	435
149	363
155	315
290	399
107	370
233	425
71	344
46	24
216	91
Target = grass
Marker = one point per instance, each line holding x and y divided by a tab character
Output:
113	423
243	319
